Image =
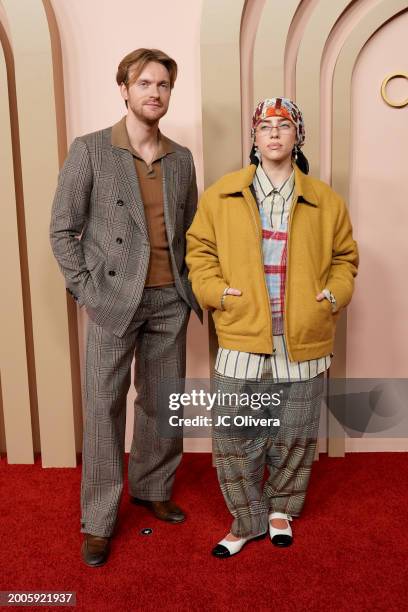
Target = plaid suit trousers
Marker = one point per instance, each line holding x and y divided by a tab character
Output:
288	451
157	337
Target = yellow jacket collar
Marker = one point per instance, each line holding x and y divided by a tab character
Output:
238	181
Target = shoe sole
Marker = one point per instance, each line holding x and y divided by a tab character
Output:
282	545
145	504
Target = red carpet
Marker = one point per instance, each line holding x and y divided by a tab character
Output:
350	551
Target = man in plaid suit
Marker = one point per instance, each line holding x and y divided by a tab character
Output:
126	196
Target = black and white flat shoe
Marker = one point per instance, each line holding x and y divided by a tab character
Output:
280	537
227	548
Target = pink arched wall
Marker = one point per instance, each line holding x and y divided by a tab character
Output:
377	344
95	35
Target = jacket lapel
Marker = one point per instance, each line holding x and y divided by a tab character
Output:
129	186
170	172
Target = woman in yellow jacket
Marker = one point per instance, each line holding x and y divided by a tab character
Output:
270	253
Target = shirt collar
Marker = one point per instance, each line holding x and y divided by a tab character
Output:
264	187
240	182
120	139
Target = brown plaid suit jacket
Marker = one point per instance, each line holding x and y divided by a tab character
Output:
97	200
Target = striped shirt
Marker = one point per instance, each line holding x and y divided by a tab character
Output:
274	206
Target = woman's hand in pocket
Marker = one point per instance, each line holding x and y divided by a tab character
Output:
328	296
234	293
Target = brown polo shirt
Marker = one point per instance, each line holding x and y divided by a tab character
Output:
160	272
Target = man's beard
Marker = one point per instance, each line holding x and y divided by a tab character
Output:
144	118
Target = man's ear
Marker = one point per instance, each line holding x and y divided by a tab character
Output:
123	91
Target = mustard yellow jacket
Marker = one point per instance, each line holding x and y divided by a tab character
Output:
224	249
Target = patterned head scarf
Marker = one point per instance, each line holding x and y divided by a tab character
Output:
280	107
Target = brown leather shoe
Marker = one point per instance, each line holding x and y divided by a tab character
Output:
95	550
163	510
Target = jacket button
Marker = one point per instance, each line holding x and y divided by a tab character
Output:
119	202
274	350
119	240
112	273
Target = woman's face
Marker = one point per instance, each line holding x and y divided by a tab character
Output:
275	138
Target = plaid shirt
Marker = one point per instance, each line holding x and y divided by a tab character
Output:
274	206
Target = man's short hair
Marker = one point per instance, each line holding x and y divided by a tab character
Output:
138	59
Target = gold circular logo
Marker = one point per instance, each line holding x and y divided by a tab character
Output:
395	75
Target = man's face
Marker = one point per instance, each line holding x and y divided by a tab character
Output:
149	96
275	138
